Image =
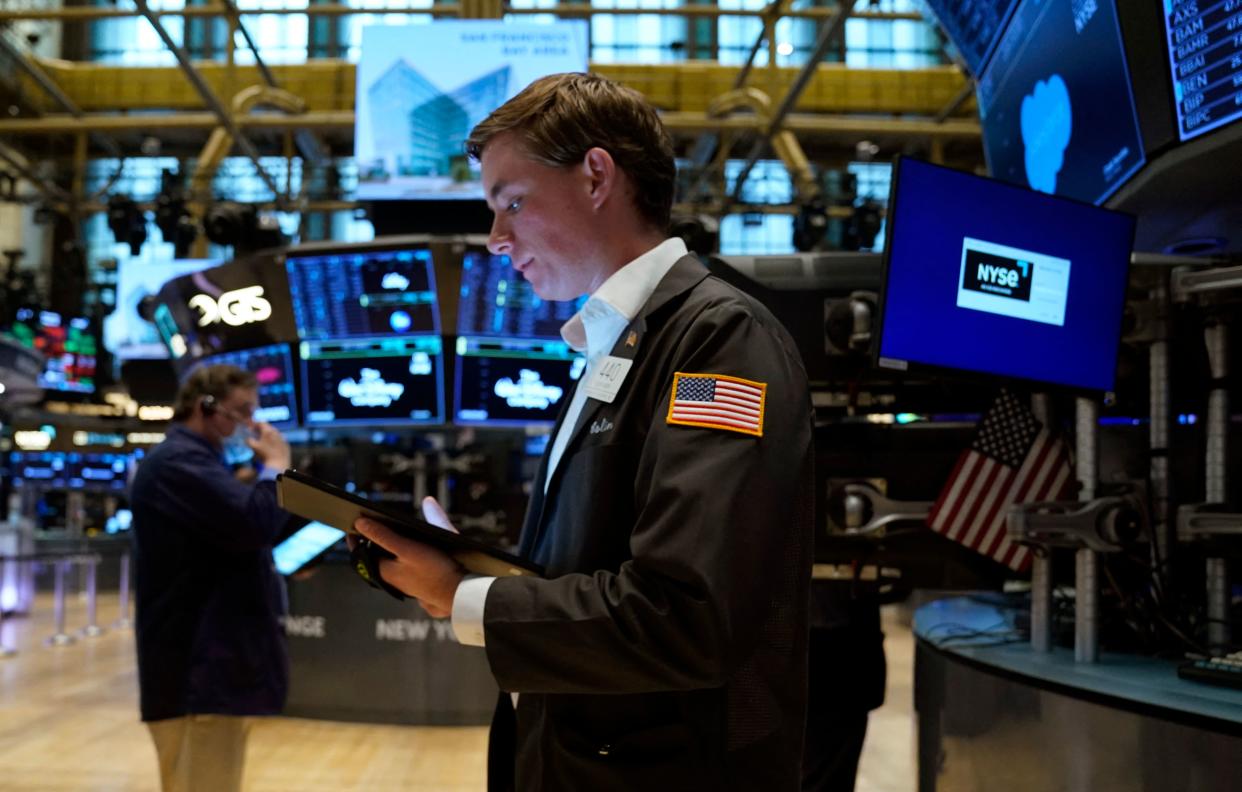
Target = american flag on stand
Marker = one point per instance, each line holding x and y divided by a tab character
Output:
1013	459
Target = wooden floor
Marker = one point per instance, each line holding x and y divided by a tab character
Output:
69	721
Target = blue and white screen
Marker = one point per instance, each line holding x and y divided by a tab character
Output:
304	545
974	26
989	278
1205	53
1055	101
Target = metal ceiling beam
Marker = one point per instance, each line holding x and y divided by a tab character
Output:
307	143
827	34
209	98
52	89
92	13
18	163
810	125
967	91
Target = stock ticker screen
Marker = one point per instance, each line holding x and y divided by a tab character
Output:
363	293
1056	104
68	344
1205	54
272	366
511	381
497	301
974	26
102	472
383	380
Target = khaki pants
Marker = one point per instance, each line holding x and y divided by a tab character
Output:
200	753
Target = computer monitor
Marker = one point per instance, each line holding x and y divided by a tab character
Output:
375	381
69	345
272	366
496	300
44	469
1056	104
974	26
102	472
992	279
513	381
1205	55
363	293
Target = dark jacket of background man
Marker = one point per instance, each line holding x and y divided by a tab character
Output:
208	599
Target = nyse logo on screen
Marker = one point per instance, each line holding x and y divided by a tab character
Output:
1008	281
234	308
1001	275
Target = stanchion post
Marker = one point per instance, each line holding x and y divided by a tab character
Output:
92	629
5	649
123	622
60	638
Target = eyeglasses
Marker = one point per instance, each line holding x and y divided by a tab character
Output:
241	417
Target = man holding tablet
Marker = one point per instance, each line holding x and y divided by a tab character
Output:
666	646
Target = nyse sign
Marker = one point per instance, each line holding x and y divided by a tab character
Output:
234	308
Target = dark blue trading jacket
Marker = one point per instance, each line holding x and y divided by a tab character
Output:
208	600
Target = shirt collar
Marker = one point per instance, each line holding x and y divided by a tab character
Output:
595	328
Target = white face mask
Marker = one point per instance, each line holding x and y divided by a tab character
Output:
236	450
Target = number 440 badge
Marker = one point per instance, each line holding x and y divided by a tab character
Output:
605	380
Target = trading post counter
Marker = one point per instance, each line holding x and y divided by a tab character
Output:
357	654
995	715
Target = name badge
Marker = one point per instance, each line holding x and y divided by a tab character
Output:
605	381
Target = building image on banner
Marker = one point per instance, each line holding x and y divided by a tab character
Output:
422	88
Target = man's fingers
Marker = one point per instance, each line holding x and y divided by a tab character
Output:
434	513
383	536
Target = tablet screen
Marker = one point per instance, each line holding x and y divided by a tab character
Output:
304	545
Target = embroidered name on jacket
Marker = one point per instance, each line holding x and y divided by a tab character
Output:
717	401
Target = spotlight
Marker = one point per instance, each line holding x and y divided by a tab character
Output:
810	225
173	219
240	226
128	223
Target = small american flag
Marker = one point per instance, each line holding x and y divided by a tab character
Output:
1013	459
718	402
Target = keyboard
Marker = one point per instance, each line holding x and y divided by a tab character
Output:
1223	671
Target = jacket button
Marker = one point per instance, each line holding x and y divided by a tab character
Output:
605	749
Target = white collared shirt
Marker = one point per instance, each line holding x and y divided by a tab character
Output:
593	331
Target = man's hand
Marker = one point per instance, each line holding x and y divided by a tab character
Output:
270	447
419	570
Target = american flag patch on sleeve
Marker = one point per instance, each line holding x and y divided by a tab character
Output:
716	401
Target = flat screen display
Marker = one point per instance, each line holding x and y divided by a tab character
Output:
102	472
304	546
352	294
125	333
1055	101
497	301
993	279
39	469
512	381
422	88
69	345
373	381
272	366
1205	54
974	26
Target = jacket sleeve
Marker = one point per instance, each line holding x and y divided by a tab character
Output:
204	496
714	547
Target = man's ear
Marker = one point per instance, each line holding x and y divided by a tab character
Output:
601	173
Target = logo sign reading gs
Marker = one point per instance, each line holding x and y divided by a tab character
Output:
234	308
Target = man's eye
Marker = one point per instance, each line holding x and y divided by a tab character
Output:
514	205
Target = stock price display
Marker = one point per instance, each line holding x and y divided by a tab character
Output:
1205	53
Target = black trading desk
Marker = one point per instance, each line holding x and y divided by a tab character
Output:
998	716
357	654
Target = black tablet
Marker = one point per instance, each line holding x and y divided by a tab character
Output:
314	500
